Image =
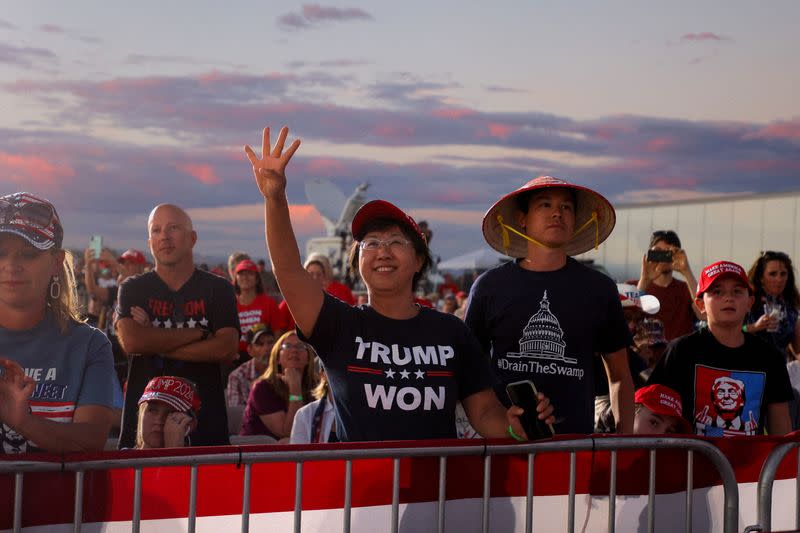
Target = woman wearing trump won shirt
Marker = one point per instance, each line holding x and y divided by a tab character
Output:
396	369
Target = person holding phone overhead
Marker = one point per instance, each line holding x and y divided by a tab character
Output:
545	316
665	256
396	369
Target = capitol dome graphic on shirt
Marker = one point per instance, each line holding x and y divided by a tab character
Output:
543	337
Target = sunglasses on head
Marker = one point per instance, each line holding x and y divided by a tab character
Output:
35	215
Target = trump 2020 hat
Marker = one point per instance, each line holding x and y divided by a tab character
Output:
502	230
664	401
32	218
179	393
382	209
719	270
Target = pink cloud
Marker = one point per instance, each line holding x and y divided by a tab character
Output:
702	36
33	171
394	131
672	182
500	131
768	165
660	144
779	130
306	219
202	173
454	113
325	165
314	14
51	28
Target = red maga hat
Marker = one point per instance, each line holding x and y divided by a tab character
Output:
382	209
133	256
590	205
663	401
719	270
246	264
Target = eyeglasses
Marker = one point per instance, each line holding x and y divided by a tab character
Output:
38	216
293	346
394	244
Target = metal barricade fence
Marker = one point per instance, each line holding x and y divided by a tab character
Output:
487	451
766	480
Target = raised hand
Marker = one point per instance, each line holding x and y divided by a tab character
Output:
293	377
270	170
176	427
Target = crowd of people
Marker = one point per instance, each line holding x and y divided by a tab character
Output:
162	354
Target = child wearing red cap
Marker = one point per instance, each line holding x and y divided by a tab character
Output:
730	382
167	413
658	410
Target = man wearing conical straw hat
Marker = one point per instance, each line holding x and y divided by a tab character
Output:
544	316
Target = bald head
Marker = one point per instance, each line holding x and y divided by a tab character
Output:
173	210
171	237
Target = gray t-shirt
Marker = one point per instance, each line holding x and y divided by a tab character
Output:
70	370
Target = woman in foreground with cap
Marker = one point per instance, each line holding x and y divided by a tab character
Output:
396	369
167	413
56	373
545	316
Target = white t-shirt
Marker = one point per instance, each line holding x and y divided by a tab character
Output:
301	427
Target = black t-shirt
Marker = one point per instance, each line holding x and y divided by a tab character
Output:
205	301
397	379
725	391
547	327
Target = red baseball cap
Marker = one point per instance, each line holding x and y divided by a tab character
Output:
382	209
134	256
174	391
719	270
664	401
246	264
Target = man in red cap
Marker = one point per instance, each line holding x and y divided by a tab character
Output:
730	382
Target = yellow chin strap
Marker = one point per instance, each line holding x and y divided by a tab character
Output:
505	228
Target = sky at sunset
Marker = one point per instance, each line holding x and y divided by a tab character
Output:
111	108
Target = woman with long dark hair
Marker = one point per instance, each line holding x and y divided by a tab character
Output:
774	313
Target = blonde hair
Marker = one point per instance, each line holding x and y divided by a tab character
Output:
65	308
321	390
273	371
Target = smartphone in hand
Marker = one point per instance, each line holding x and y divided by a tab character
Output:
96	245
659	256
524	394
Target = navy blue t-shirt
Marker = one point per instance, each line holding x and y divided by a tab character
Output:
397	379
547	327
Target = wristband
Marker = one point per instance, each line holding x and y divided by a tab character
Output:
744	328
295	398
514	435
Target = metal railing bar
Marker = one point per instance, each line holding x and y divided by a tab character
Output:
571	502
487	489
137	500
246	499
18	480
348	489
689	489
612	494
193	499
529	495
797	493
651	493
77	520
298	497
442	493
766	481
395	494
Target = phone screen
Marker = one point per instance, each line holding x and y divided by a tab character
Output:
659	256
523	394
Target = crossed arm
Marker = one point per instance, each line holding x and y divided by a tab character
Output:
182	344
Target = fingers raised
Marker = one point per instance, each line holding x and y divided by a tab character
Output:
290	152
251	155
265	143
278	149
